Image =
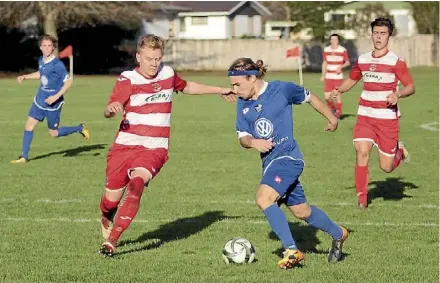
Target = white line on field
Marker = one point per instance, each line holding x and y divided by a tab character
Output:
226	220
226	202
432	126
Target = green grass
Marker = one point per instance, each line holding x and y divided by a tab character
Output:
49	229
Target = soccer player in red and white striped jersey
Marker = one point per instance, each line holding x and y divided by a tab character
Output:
334	59
140	149
378	114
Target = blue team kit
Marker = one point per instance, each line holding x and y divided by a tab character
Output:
270	117
53	74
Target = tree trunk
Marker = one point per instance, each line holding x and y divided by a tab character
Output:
49	21
50	28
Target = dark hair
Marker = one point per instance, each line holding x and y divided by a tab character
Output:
337	35
246	64
383	22
49	37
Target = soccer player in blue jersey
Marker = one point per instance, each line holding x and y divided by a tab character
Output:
264	122
49	100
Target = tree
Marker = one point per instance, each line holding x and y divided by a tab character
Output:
311	15
53	16
304	14
360	22
426	16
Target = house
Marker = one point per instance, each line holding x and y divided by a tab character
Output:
401	12
208	19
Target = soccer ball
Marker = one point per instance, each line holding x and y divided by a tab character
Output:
238	250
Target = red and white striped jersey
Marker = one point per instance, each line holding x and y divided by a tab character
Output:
381	76
335	58
147	108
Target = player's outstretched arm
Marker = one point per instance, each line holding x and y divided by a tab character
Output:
31	76
325	111
347	85
194	88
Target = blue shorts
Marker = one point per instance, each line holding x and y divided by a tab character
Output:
53	117
282	174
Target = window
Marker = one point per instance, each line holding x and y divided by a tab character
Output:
182	25
199	21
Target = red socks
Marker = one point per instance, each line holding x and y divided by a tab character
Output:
331	104
338	109
361	181
397	157
128	209
108	208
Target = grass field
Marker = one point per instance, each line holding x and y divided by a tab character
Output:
49	229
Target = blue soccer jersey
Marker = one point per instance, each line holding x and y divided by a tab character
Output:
270	117
53	74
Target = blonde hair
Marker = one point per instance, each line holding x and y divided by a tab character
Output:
246	64
49	37
150	41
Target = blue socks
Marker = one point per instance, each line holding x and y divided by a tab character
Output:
27	140
65	131
278	223
320	220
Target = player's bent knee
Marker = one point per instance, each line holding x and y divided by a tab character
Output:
327	96
301	211
387	168
114	195
53	133
140	172
266	196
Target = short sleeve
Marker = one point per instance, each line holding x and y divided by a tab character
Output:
242	125
62	71
355	73
179	83
296	94
403	73
121	91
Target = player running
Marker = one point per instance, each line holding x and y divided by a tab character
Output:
140	149
378	115
48	102
264	122
335	58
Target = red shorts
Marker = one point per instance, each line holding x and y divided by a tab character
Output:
329	84
121	160
382	133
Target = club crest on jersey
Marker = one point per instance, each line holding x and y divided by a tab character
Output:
258	107
263	128
156	87
372	67
278	179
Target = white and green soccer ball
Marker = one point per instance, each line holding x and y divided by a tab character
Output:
238	250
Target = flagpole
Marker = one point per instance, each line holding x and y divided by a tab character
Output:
71	66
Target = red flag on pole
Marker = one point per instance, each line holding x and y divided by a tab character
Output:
293	52
67	52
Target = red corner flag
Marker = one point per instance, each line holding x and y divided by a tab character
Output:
67	52
293	52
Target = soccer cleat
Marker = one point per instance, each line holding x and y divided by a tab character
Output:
405	156
291	259
85	132
107	249
335	253
20	159
106	226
